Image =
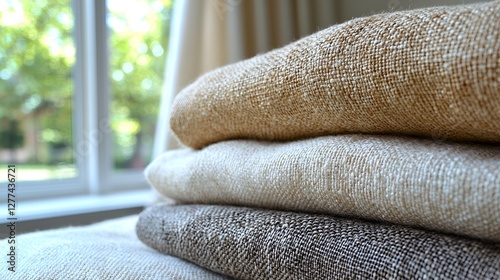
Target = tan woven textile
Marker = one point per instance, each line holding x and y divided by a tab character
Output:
258	244
104	251
441	186
431	72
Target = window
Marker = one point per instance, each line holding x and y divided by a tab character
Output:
139	31
37	54
80	85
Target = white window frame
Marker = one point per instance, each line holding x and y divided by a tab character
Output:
92	135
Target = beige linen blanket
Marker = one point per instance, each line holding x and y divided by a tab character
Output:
432	72
263	244
436	185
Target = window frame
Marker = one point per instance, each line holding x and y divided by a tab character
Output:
92	134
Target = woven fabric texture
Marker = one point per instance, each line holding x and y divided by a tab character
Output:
437	185
263	244
105	251
431	72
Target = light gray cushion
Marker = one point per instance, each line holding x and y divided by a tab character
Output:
107	250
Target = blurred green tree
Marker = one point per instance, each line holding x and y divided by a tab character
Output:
139	40
37	57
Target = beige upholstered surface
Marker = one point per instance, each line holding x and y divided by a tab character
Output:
109	250
433	72
262	244
436	185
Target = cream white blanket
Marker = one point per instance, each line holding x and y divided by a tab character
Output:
443	186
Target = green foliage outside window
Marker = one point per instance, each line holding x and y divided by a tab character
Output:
37	58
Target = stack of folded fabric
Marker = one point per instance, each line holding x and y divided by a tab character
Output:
367	150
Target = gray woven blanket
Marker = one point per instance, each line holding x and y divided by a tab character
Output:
263	244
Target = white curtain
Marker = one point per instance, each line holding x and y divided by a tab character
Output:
206	34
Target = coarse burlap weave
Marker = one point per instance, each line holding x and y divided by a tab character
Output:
264	244
437	185
104	251
431	72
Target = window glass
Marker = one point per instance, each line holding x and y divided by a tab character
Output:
138	47
37	55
